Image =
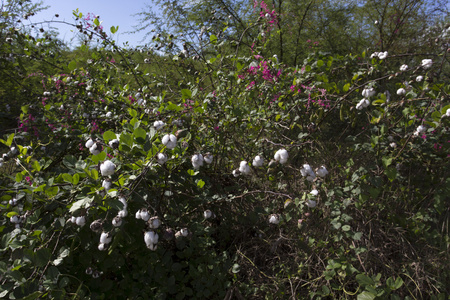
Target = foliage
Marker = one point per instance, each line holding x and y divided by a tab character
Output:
134	174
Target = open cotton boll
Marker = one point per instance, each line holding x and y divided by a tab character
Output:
401	91
117	221
107	168
403	68
154	222
281	156
274	219
244	168
447	113
105	238
207	214
161	158
101	247
89	143
368	92
197	161
322	172
114	143
314	192
95	149
311	203
144	215
419	78
236	173
258	161
427	63
170	141
80	221
158	124
383	55
208	158
151	239
107	184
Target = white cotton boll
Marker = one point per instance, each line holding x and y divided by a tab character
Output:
14	219
122	213
382	55
403	68
161	158
419	78
80	221
109	114
114	143
307	168
117	221
101	247
401	91
236	173
107	168
158	124
107	184
154	222
208	158
184	232
258	161
73	219
375	54
105	238
322	171
151	239
311	203
197	161
95	149
393	145
447	113
281	156
314	192
89	143
274	219
124	202
427	63
207	214
368	92
244	168
138	214
144	215
311	178
421	129
170	141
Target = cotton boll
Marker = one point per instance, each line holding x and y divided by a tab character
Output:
109	114
258	161
208	158
154	222
95	149
117	221
105	238
207	214
419	78
236	173
447	113
184	232
89	143
403	68
14	219
281	156
197	161
114	143
107	184
382	55
170	141
401	91
161	158
102	247
80	221
151	239
314	192
322	171
375	54
138	214
107	168
73	219
427	63
158	124
244	168
274	219
311	203
368	92
144	215
96	226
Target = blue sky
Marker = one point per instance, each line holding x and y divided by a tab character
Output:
111	12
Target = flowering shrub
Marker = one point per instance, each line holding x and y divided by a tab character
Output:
153	168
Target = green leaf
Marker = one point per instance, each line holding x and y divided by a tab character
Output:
364	280
126	139
391	173
186	94
366	296
9	141
387	161
11	213
52	191
200	183
99	157
114	29
108	136
67	177
393	285
80	204
140	135
19	177
75	178
346	227
72	65
346	87
94	174
36	166
213	38
96	22
192	172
